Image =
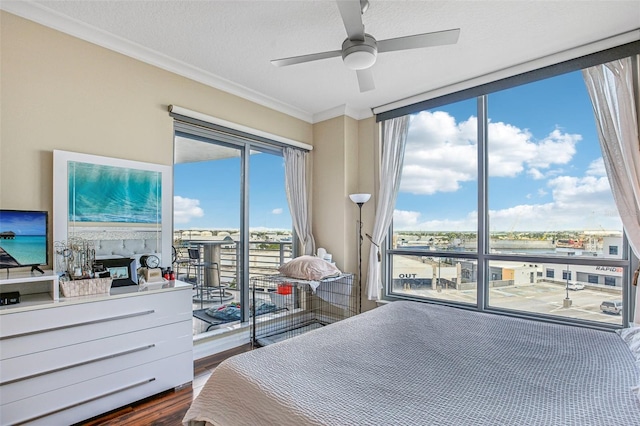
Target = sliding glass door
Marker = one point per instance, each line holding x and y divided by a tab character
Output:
208	210
231	222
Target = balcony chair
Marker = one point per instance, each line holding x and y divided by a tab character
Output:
207	290
180	264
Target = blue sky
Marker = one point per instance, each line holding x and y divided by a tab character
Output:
23	223
207	194
545	165
545	170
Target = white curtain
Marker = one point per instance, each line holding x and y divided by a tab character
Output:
610	87
295	177
394	137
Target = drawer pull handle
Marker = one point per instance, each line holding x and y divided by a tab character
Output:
66	367
144	382
80	324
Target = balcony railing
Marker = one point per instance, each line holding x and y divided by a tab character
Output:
264	257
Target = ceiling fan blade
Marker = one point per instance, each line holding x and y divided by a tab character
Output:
351	13
437	38
306	58
365	80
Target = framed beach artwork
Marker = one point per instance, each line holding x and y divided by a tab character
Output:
101	198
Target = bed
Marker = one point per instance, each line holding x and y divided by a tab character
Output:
410	363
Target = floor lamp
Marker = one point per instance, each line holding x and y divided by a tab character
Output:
360	199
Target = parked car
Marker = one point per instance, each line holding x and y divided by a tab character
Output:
611	307
575	286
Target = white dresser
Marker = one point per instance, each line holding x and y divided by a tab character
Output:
67	360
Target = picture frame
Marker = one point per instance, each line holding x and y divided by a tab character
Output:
122	270
105	198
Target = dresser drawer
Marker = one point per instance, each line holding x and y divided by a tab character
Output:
66	325
101	394
61	367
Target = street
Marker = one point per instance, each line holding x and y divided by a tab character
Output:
543	297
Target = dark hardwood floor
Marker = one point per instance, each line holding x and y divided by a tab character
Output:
166	409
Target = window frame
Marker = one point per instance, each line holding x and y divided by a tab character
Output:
628	262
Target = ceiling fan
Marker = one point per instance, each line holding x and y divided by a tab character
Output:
359	49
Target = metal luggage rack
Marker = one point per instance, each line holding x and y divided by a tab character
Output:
287	307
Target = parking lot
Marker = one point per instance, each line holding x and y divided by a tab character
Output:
543	298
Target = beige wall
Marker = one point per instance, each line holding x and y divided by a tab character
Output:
344	155
59	92
329	190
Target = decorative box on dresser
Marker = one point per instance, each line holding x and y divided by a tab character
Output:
66	360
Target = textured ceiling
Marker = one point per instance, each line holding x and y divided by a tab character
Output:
228	44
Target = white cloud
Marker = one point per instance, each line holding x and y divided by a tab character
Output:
409	220
518	218
403	219
580	203
552	216
535	173
441	157
441	154
596	168
277	211
556	148
584	193
185	209
510	148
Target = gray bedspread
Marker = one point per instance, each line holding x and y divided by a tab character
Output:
409	363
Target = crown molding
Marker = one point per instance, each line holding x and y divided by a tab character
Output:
359	114
57	21
342	110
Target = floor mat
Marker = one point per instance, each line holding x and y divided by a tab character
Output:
202	315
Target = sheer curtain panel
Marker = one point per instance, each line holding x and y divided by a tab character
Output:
295	170
610	87
394	137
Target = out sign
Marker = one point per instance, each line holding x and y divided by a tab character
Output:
407	275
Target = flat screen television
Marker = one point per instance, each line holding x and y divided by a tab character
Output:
23	239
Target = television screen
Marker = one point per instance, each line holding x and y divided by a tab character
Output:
23	238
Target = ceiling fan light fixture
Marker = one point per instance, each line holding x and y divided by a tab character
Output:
359	59
359	55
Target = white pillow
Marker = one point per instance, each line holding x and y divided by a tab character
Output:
631	337
309	268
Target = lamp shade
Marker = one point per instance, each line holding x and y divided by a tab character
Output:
360	198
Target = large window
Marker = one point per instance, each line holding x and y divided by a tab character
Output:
504	204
